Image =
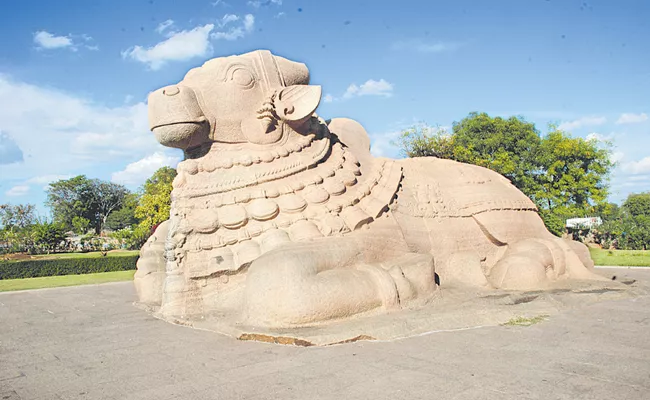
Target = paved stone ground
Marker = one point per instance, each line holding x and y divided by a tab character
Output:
90	342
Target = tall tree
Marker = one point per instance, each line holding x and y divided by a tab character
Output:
81	197
638	204
108	197
574	174
125	215
69	198
17	216
630	229
16	222
155	201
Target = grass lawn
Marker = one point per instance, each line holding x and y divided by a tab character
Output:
626	258
522	321
64	280
112	253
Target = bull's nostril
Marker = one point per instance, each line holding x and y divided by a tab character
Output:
171	91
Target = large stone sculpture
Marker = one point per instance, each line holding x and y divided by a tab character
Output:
284	220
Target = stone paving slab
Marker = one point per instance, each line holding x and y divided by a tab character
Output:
90	342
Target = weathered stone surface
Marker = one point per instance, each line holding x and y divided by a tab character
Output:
280	220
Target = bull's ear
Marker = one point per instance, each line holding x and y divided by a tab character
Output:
297	103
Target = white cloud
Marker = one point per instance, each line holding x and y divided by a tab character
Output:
280	14
46	40
595	136
249	22
18	190
164	25
381	144
598	137
635	183
637	167
219	2
46	179
61	134
630	118
237	32
638	178
616	156
424	47
370	88
259	3
179	46
581	122
228	18
137	172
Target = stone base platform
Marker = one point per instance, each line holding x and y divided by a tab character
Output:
451	309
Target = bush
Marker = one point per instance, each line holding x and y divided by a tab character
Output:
48	236
554	222
80	225
629	227
65	266
132	238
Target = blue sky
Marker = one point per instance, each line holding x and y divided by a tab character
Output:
74	75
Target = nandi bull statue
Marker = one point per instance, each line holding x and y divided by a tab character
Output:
286	220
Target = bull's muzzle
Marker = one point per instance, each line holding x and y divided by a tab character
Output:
176	118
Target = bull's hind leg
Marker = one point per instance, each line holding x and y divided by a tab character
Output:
530	256
532	263
523	266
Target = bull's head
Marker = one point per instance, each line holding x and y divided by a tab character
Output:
254	97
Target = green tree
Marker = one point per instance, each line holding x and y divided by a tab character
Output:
124	217
638	204
425	141
48	235
574	178
506	146
69	198
565	176
608	211
17	216
132	237
108	196
155	201
80	225
630	229
16	222
91	199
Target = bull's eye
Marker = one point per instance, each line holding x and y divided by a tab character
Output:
243	78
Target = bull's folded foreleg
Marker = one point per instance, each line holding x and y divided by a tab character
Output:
304	283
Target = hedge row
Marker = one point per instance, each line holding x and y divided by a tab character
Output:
70	266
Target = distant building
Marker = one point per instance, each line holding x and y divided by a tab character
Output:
583	223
